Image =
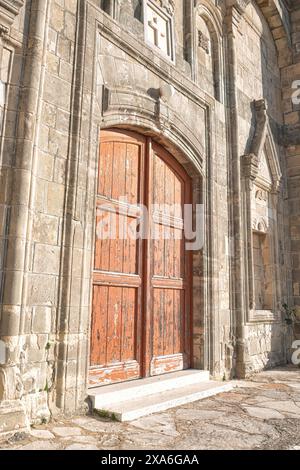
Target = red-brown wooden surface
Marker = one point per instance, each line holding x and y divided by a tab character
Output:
141	289
169	267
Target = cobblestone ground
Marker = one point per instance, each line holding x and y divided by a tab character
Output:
262	413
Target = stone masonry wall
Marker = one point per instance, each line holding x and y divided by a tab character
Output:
291	106
69	69
258	78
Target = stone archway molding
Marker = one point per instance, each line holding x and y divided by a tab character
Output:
278	19
155	114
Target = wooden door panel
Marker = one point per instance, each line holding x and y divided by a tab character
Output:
119	254
119	170
170	287
117	313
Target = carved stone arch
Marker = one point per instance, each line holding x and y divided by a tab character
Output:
155	115
173	139
278	21
213	23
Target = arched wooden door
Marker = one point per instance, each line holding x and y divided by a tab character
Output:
141	284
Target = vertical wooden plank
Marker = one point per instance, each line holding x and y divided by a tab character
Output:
178	192
158	181
119	170
129	309
170	253
168	322
105	169
178	261
177	321
133	158
158	247
114	325
101	260
99	326
116	249
169	189
158	321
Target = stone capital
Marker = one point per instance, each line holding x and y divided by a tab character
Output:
9	9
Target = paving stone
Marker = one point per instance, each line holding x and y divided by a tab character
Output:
110	442
212	437
93	425
161	423
41	434
81	439
66	431
40	445
197	415
263	413
289	408
250	425
146	441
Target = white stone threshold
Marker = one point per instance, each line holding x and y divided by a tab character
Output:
132	400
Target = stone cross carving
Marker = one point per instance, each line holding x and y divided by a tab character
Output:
158	30
158	33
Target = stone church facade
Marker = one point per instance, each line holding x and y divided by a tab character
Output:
213	85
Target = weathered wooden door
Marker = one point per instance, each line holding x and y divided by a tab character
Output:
141	284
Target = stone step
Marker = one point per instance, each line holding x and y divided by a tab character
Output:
137	407
108	395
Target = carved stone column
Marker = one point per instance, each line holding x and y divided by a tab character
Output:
233	19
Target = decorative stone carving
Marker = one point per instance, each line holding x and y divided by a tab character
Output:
261	195
159	28
262	178
260	225
9	9
204	42
167	5
262	140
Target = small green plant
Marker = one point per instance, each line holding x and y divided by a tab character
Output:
290	314
47	389
48	346
104	414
